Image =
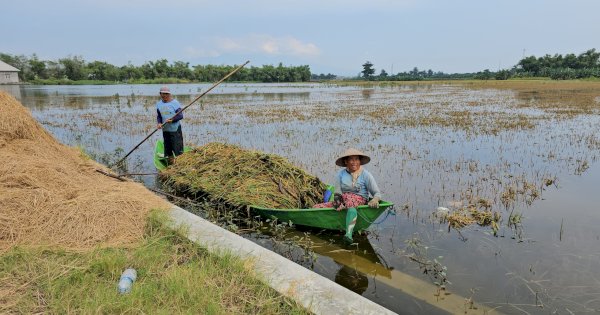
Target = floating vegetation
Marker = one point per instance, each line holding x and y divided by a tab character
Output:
471	215
460	218
514	222
227	173
582	166
417	252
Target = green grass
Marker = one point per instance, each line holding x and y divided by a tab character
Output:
71	82
106	82
592	79
158	81
174	276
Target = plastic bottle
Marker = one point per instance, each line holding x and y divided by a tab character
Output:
127	279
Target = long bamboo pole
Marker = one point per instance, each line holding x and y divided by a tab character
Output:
190	104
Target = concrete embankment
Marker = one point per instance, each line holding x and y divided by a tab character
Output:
316	293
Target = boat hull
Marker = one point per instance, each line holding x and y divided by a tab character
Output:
161	162
325	218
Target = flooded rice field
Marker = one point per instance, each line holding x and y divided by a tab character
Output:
514	163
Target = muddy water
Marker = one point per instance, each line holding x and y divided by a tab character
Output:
528	154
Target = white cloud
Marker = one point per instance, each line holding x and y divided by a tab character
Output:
267	44
270	47
303	49
228	44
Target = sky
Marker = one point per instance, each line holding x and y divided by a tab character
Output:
331	36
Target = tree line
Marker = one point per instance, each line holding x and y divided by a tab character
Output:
569	66
415	74
557	67
75	68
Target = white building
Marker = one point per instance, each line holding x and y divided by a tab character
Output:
8	73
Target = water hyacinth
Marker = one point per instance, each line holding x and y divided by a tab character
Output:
225	173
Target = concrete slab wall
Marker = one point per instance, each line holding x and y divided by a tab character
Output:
315	292
9	77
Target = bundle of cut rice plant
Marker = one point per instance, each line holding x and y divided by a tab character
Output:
227	173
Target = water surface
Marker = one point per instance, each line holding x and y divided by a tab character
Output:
431	145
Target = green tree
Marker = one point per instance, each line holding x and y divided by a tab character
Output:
570	61
73	67
415	72
100	70
130	72
148	70
20	62
38	68
161	68
383	74
589	59
55	70
181	70
502	75
280	73
368	70
198	71
7	58
530	64
484	75
304	73
268	74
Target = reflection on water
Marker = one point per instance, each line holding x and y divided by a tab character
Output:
366	93
12	89
352	279
431	145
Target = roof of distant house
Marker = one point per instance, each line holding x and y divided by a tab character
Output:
6	67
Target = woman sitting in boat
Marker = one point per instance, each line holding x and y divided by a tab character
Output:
356	184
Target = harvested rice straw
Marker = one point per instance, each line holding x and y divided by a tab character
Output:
51	195
460	218
227	173
482	217
471	215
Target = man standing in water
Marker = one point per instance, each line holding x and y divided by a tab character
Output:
168	117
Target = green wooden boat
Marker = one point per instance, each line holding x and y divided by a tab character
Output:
160	160
325	218
322	218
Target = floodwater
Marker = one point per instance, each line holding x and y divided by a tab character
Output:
527	152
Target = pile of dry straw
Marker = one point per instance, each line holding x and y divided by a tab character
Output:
51	195
230	175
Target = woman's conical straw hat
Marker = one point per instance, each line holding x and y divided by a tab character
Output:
341	161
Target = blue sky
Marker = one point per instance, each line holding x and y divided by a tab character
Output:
331	36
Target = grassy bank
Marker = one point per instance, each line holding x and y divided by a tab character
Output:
106	82
174	276
350	82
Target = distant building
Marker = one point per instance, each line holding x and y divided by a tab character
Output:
8	73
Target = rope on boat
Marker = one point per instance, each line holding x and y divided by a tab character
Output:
389	211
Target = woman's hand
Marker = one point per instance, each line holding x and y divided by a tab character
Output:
374	203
